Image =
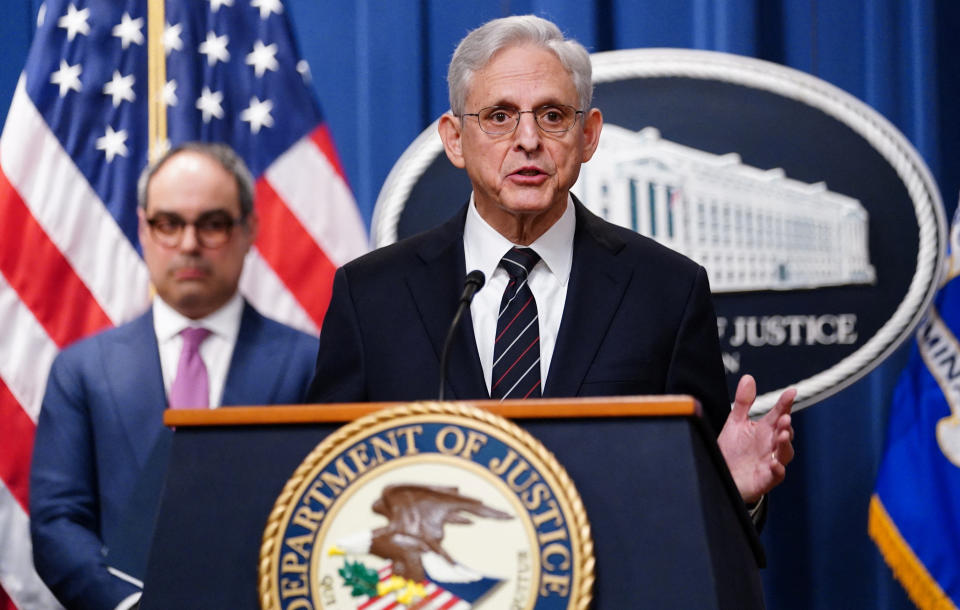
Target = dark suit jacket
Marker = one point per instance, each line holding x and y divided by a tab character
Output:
638	319
102	415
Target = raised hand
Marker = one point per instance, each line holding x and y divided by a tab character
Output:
757	452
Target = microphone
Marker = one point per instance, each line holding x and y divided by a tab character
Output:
471	284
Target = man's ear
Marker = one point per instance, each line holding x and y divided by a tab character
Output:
592	124
450	128
141	224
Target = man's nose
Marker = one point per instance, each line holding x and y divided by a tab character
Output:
528	132
188	240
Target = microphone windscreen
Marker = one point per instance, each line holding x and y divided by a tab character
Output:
475	277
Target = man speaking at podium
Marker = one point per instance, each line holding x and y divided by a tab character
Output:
200	345
573	305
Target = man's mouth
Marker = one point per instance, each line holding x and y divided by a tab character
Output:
528	176
528	171
189	273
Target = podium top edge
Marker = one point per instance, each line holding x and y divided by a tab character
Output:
544	408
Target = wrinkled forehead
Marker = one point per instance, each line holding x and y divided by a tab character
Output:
522	75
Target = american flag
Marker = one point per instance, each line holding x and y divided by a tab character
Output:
72	147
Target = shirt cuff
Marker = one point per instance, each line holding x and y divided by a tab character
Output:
754	511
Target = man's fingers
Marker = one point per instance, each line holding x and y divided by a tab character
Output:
779	472
782	407
785	454
784	448
746	394
785	402
784	423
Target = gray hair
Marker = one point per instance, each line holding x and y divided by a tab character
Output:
481	44
220	153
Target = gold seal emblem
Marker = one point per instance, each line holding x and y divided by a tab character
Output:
427	505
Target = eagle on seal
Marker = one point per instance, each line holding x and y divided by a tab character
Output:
412	538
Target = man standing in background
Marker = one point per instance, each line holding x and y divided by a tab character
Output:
200	345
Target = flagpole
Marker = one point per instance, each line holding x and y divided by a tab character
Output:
157	78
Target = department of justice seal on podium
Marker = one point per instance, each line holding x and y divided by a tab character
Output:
428	505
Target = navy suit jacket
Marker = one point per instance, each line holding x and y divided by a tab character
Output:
102	416
638	319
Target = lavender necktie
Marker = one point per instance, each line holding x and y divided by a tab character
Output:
191	386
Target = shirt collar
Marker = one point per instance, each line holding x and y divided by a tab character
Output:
224	322
484	246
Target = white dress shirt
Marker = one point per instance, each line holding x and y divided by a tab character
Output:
215	351
483	247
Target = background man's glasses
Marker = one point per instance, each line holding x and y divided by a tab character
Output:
212	229
500	120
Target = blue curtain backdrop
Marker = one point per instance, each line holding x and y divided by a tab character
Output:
379	70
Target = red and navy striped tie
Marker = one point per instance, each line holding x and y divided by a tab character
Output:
516	350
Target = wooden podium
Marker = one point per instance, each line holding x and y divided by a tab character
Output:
668	525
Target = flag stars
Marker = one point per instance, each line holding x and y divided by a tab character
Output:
209	104
67	77
113	143
267	7
171	38
263	58
42	15
120	88
170	93
215	48
216	4
303	68
129	30
75	22
258	114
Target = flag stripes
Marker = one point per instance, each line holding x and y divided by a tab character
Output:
16	438
62	201
20	581
305	175
26	352
261	285
21	234
5	602
284	243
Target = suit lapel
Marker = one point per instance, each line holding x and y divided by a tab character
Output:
436	286
597	283
248	375
132	368
132	365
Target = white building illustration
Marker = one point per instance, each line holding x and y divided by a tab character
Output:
752	229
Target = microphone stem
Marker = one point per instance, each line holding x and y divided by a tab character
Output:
446	345
472	283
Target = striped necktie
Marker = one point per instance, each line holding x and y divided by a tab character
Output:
516	349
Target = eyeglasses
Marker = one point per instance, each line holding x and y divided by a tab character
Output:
212	229
500	120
